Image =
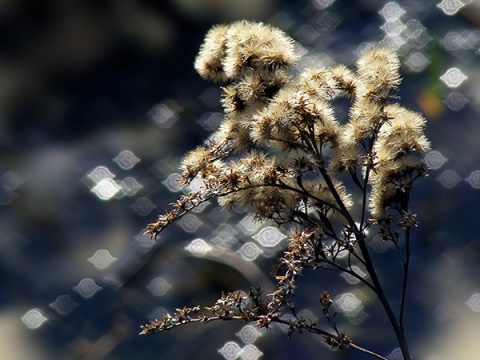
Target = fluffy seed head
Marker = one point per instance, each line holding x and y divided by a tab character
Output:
257	47
378	70
209	61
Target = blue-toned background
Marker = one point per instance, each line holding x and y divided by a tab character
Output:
98	102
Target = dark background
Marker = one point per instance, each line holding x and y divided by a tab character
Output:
82	81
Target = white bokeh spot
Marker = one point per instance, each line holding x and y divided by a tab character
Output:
453	77
102	259
34	319
87	288
126	159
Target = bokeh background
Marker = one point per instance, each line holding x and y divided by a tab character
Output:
98	102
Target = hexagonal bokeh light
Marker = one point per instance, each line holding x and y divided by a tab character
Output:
63	304
230	350
269	236
453	77
87	288
34	318
248	334
249	251
450	7
102	259
126	159
198	247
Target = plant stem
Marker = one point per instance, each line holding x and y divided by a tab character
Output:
402	341
359	236
406	265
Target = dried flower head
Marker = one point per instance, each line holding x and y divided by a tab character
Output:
256	47
378	72
209	62
228	52
399	151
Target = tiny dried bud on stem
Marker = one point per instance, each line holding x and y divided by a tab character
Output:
325	299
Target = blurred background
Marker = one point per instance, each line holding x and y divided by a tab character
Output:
98	102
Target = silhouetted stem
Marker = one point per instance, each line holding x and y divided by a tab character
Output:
359	235
381	296
406	265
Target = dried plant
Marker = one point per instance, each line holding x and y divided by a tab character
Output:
282	153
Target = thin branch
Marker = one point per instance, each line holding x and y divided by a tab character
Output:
383	299
150	329
337	267
405	275
367	351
